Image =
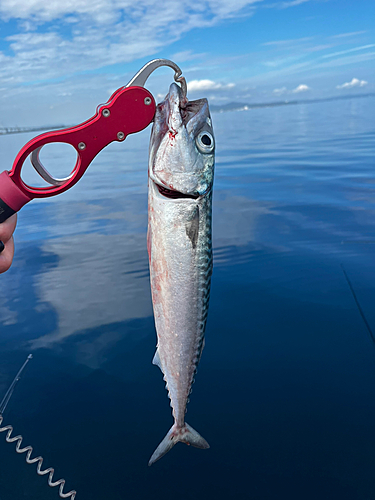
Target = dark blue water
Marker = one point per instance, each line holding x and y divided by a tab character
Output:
285	392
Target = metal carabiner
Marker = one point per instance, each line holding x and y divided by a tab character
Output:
141	77
130	109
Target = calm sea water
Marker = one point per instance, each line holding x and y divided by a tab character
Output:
285	392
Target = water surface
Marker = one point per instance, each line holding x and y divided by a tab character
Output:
285	388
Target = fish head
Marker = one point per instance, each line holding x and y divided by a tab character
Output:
182	146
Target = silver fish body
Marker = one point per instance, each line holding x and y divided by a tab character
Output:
180	251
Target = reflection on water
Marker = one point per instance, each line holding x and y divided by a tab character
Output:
106	282
285	389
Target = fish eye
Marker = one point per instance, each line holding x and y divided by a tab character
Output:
205	142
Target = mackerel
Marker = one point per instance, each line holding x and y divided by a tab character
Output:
181	169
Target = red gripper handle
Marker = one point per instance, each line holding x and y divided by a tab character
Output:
129	110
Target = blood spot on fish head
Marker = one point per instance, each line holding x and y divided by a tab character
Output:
172	136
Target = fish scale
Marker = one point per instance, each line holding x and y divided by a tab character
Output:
181	169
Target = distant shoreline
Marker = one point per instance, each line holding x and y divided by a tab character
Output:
232	106
23	130
236	106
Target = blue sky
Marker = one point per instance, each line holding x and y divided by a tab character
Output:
59	59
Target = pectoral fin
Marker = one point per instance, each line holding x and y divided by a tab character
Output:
192	227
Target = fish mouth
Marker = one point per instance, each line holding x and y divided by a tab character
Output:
191	109
173	194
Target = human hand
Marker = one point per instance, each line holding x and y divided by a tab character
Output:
6	242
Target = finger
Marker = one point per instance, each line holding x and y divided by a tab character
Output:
6	256
7	228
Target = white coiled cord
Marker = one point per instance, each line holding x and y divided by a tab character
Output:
28	449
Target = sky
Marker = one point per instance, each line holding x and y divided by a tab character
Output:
60	59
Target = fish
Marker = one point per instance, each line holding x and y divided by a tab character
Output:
180	180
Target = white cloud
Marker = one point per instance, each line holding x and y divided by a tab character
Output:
356	49
293	3
292	41
284	90
301	88
110	11
57	39
343	61
42	11
197	85
285	5
345	35
354	83
281	91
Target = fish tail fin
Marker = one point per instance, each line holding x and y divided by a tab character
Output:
185	434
